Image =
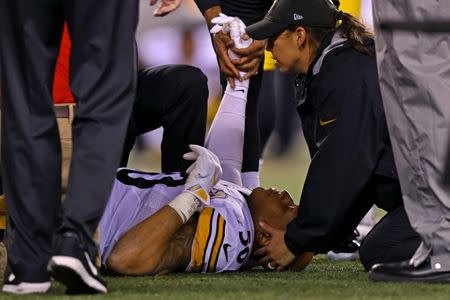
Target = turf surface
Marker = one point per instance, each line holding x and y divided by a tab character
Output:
322	280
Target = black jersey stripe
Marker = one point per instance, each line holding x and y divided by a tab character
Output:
143	183
211	253
205	267
214	268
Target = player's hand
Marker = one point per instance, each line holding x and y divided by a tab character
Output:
222	42
166	7
204	173
250	57
275	252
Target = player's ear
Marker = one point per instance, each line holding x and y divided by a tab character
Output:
263	238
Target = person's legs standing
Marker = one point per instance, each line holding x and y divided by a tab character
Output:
415	84
30	36
103	81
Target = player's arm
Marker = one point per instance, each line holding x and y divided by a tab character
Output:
226	136
158	245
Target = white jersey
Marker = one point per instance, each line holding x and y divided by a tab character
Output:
224	236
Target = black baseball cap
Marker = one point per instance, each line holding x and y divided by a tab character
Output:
284	13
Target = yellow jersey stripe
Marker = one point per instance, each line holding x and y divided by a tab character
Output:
215	251
201	239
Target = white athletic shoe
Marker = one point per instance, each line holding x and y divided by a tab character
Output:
13	285
74	268
363	229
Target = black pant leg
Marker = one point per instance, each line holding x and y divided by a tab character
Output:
30	33
103	81
288	124
266	109
130	139
391	240
174	97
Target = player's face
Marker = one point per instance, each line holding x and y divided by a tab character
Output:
273	207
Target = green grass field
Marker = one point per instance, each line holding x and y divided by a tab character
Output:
323	279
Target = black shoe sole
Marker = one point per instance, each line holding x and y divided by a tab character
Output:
435	278
71	273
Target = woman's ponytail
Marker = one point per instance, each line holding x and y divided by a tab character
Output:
355	32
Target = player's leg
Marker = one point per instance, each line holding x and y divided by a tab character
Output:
392	239
30	33
174	97
267	109
103	78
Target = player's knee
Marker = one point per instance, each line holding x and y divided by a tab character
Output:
196	82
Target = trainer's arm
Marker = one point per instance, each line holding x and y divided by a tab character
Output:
158	245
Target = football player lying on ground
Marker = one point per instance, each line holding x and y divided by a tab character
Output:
151	225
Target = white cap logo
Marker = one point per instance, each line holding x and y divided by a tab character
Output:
298	17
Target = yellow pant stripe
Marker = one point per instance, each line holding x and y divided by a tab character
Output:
201	239
218	241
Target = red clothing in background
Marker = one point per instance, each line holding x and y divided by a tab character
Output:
61	89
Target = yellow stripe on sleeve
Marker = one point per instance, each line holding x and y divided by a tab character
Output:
220	235
201	239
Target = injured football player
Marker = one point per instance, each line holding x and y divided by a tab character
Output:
160	223
147	232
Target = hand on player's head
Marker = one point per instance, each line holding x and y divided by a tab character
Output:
204	173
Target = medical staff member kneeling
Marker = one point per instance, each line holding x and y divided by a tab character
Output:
340	106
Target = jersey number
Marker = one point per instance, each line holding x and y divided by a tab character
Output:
242	256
